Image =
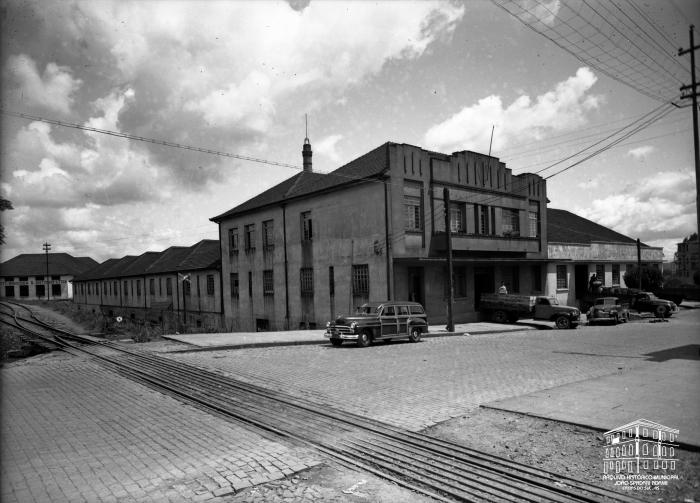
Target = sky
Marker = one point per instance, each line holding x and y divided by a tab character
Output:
239	78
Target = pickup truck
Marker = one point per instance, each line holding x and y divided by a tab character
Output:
379	321
504	307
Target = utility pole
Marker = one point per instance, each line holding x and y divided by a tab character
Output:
694	96
639	262
185	277
448	234
47	246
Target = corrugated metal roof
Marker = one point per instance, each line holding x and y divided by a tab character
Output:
369	165
34	264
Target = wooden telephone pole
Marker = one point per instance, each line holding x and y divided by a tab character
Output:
693	94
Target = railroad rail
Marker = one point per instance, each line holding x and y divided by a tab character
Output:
437	468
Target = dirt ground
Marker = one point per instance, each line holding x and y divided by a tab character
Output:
550	445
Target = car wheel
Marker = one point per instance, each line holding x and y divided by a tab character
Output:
562	322
337	342
660	312
364	339
499	316
415	334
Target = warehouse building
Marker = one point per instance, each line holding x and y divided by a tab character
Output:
318	245
180	285
35	276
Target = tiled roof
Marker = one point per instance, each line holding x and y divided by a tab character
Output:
566	227
369	165
203	255
34	264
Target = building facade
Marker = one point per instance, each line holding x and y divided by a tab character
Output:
579	248
687	259
180	284
38	276
318	245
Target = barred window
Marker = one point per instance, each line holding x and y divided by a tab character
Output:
210	284
249	237
413	205
616	274
307	233
600	273
234	284
268	237
562	280
268	282
233	240
360	280
306	277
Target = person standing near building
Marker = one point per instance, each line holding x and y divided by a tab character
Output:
502	289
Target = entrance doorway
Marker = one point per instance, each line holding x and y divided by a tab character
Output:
483	283
416	279
581	280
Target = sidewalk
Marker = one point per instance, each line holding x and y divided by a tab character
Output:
239	340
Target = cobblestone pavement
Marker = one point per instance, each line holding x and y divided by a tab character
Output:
418	385
73	431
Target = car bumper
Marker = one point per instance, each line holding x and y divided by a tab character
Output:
345	337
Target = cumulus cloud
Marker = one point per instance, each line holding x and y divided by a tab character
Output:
653	209
560	109
641	152
53	89
328	147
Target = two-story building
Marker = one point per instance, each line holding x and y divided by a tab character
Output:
318	245
183	283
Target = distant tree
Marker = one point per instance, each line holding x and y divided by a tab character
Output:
4	205
652	278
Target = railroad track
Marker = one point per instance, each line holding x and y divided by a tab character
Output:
442	470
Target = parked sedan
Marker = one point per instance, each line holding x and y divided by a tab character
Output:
608	310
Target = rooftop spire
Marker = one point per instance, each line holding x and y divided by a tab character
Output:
306	152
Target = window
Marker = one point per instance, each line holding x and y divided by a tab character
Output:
268	283
562	280
126	289
482	215
360	280
458	217
268	237
152	286
234	285
116	287
233	240
210	284
306	277
616	274
600	273
331	281
40	287
168	286
187	287
249	237
511	222
138	288
534	220
413	204
307	232
250	283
